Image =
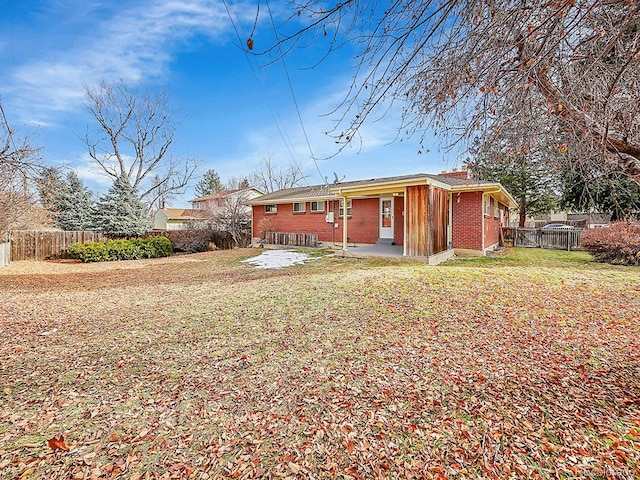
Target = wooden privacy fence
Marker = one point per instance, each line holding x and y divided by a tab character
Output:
43	245
543	238
292	239
5	253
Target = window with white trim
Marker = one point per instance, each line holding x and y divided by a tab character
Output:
349	207
271	209
317	206
299	207
486	206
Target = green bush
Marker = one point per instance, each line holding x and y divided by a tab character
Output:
618	244
153	247
111	250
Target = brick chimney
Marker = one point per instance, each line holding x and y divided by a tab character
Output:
463	173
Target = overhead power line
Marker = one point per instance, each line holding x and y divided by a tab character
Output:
279	124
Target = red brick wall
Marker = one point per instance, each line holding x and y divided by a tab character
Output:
466	221
492	226
492	223
362	226
285	220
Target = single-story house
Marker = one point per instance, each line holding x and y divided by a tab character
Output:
431	216
177	218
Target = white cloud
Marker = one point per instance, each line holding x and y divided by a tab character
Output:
87	169
130	43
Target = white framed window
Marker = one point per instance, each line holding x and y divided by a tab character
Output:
486	206
317	206
271	209
349	207
299	207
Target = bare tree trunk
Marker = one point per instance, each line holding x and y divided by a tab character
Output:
523	212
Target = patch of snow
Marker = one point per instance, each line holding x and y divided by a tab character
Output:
52	331
278	259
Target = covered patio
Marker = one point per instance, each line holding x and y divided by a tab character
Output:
382	250
424	208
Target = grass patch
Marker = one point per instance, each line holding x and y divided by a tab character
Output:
315	252
337	368
534	258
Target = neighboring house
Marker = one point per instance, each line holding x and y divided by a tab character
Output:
219	200
221	209
177	218
429	215
217	203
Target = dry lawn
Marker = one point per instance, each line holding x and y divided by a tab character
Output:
203	367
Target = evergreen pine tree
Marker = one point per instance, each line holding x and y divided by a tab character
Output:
209	184
75	205
120	213
527	175
50	186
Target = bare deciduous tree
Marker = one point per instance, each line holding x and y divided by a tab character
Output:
228	213
456	64
15	200
236	183
268	177
134	138
19	163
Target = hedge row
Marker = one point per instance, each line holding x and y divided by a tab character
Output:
618	244
134	249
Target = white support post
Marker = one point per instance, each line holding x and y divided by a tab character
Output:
344	223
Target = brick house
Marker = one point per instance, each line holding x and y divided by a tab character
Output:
431	216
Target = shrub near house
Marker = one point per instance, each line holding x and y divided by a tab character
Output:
618	244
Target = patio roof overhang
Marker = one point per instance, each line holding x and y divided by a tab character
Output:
494	189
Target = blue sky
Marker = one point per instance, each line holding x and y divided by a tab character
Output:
231	108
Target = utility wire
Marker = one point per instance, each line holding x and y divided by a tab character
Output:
293	94
260	79
279	124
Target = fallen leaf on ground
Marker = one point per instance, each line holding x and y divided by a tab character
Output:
57	444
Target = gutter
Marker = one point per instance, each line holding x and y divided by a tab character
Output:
488	189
